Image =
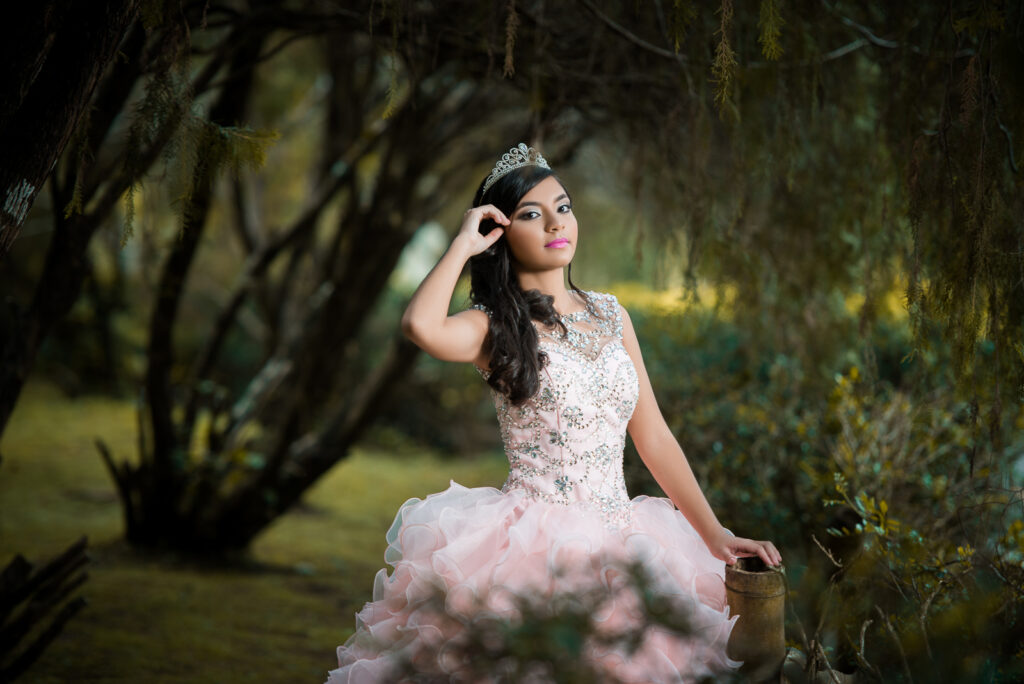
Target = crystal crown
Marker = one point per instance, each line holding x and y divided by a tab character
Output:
518	156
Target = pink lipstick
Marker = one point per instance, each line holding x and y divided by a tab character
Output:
559	242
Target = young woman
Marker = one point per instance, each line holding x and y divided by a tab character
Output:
568	381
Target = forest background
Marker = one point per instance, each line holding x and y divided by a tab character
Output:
214	214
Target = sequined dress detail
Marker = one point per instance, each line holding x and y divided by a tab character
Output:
565	445
563	505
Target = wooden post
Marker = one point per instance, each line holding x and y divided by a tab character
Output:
757	593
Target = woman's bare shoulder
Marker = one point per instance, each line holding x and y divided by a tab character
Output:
477	314
478	317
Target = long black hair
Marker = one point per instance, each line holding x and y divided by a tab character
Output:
512	342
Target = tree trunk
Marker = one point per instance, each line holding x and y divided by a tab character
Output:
57	51
64	270
156	512
235	522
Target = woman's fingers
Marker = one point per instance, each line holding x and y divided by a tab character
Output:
755	549
493	236
494	212
470	228
764	550
469	233
770	553
486	211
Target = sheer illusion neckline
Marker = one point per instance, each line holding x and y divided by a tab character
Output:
573	315
578	322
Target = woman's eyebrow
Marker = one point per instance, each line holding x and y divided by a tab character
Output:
537	204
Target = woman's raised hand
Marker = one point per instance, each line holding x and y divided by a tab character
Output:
469	232
426	321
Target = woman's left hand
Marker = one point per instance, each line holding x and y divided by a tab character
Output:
728	548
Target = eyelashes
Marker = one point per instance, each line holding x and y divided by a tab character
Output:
531	214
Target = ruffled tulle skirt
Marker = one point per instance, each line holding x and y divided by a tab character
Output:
466	559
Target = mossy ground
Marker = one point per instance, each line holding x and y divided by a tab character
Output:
277	616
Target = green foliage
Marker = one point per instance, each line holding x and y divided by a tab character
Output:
770	24
235	147
163	106
203	148
984	16
154	13
723	67
164	118
681	15
923	571
830	183
894	512
78	146
511	28
391	101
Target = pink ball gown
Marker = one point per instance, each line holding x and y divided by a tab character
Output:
560	523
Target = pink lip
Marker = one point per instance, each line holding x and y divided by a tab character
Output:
560	242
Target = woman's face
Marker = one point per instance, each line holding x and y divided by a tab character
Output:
542	232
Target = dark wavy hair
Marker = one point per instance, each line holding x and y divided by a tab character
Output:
512	342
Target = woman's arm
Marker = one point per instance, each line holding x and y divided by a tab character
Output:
426	321
663	456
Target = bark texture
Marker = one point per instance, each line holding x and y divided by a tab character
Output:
54	54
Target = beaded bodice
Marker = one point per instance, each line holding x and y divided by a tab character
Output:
565	444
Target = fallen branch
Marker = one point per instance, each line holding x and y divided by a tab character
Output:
38	591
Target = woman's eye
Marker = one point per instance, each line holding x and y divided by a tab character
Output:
529	215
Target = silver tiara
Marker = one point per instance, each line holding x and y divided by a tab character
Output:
518	156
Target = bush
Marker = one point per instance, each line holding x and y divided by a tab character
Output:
892	505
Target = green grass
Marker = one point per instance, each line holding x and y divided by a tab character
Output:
154	618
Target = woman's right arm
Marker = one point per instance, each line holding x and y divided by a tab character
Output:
426	321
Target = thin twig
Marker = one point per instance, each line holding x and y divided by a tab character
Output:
800	626
899	644
923	616
861	657
1005	130
824	611
828	666
885	42
632	37
828	553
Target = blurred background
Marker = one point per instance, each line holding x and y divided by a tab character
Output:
812	211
